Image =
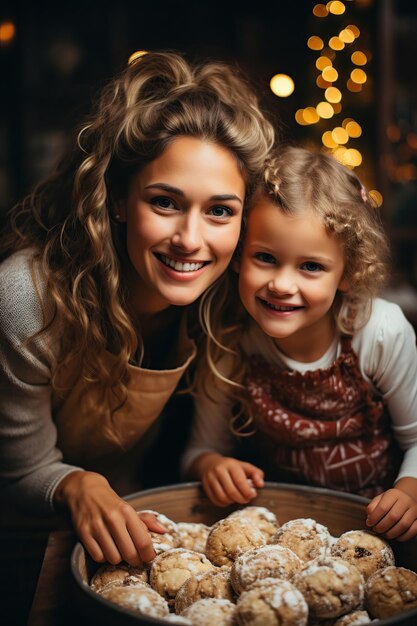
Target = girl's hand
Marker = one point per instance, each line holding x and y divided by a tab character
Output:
109	527
393	514
226	480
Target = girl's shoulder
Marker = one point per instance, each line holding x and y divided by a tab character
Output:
386	323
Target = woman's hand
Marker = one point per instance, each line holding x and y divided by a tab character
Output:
393	514
226	480
109	527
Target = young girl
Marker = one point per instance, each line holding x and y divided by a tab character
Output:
99	266
325	370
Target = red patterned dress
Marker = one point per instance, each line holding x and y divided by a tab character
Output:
325	427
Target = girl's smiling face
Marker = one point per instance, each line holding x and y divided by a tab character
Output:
290	271
183	216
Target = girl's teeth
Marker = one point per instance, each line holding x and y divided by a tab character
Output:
281	308
181	267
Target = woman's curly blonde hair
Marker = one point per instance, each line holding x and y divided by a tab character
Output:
80	249
297	180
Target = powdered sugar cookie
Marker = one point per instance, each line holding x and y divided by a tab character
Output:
331	586
230	537
356	618
117	574
261	517
211	612
304	536
390	591
139	598
271	561
211	584
171	569
163	541
192	536
367	551
272	605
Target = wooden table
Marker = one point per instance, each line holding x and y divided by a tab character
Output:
53	603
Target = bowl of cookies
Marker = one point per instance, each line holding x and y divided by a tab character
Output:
299	556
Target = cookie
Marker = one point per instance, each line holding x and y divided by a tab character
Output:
139	598
230	537
367	551
211	612
261	517
117	574
390	591
171	569
271	561
211	584
193	536
272	604
304	536
331	586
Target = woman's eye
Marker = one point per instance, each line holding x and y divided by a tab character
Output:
163	202
264	257
221	211
311	266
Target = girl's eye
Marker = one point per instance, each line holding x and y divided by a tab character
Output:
311	266
264	257
163	202
221	211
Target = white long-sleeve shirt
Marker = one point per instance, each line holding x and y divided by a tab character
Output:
387	354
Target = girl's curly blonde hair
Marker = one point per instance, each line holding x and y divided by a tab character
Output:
297	180
80	249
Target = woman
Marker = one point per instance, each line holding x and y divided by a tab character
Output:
100	265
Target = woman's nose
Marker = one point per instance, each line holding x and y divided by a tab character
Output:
188	233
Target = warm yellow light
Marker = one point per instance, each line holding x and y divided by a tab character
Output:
315	43
327	140
346	35
359	58
322	63
358	76
339	135
330	74
353	129
323	84
376	196
355	30
325	110
7	32
336	7
136	55
354	87
337	107
310	115
282	85
336	44
299	117
333	94
320	10
346	121
353	157
339	154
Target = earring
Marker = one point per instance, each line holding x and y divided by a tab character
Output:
117	216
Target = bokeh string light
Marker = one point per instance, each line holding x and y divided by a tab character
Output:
342	74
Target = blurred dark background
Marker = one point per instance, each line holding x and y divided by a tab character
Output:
54	57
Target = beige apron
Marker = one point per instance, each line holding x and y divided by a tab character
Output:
80	415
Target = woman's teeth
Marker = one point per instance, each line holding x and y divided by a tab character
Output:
180	267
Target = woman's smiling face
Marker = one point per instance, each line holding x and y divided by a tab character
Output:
183	216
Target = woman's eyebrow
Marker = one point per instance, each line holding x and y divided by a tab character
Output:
217	198
166	187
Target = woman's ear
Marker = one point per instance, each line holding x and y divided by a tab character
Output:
119	211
